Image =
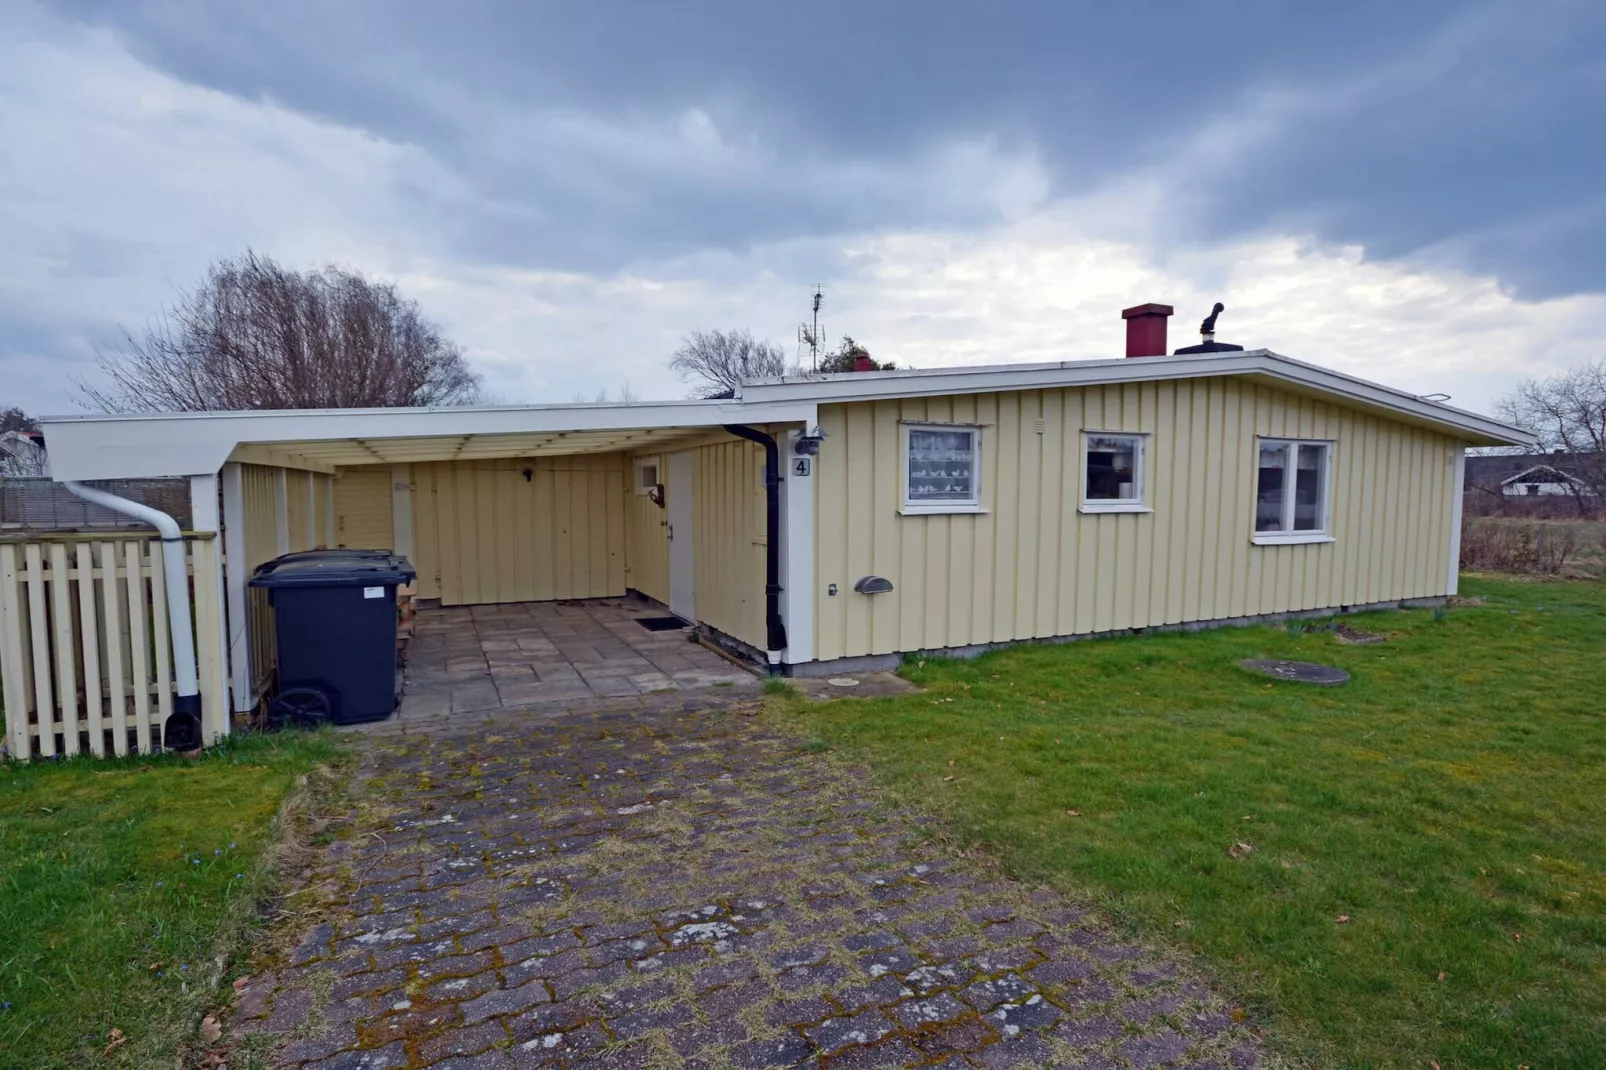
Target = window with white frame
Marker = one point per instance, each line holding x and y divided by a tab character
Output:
942	468
1291	482
646	475
1112	472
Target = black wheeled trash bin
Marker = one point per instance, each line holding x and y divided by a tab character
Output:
334	617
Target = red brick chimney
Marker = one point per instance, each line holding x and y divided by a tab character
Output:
1145	329
863	363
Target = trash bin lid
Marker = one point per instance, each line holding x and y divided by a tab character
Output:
334	568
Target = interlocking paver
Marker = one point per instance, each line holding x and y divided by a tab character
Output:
671	877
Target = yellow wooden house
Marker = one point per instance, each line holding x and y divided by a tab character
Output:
826	522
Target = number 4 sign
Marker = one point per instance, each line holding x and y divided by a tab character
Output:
801	466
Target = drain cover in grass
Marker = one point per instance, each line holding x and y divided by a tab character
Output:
1299	672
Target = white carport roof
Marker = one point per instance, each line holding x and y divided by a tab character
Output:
132	446
200	443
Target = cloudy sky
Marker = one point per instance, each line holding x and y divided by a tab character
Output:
1408	192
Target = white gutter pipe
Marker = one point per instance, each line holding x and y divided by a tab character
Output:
187	703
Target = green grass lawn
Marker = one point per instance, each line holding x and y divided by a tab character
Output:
1450	802
124	886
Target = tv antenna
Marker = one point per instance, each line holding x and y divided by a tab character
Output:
808	334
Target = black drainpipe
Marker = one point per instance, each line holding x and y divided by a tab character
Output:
774	626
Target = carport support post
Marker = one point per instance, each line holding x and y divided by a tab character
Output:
205	518
281	512
234	578
797	550
401	509
312	510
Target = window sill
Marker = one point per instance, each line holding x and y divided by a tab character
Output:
939	510
1298	538
1113	507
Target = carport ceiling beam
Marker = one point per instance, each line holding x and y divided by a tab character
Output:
363	445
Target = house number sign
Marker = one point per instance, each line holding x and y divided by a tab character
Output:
802	465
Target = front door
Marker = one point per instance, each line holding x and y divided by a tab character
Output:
678	507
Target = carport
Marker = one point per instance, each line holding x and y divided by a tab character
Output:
519	519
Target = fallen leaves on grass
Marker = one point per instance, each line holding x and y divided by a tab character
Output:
1240	849
1342	919
115	1040
211	1032
240	983
1074	813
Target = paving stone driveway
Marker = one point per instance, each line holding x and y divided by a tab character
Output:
670	883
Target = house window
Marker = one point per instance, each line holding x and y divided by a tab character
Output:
942	469
1291	482
646	476
1112	472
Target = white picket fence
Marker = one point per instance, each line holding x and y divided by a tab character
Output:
85	659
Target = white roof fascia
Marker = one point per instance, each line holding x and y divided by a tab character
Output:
140	445
859	386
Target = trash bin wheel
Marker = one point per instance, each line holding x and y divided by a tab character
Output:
301	706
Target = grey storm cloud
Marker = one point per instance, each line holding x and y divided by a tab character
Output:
1425	128
1404	190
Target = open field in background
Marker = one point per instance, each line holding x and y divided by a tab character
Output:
125	887
1567	548
1407	869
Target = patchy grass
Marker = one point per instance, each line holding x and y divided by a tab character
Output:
1423	869
775	685
125	888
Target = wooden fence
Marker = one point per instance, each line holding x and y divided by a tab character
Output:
85	658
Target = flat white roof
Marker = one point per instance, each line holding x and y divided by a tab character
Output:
1261	365
116	446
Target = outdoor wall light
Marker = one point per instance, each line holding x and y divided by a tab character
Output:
873	585
808	443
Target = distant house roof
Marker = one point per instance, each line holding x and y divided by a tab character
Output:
22	453
1542	473
1493	472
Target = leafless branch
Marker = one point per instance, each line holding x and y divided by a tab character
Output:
1568	414
716	362
255	335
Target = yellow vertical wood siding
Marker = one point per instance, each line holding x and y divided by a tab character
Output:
1034	566
646	535
363	511
297	508
483	533
728	538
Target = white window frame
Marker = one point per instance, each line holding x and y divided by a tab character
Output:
655	465
1140	475
928	508
1289	537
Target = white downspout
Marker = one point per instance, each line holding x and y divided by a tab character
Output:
176	569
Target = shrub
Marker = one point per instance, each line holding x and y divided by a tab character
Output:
1494	545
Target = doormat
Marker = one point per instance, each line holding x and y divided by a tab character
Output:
660	624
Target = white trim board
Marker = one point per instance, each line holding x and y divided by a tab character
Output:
1259	364
100	446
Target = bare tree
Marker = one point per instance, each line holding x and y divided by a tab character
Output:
716	362
255	335
1567	413
14	419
